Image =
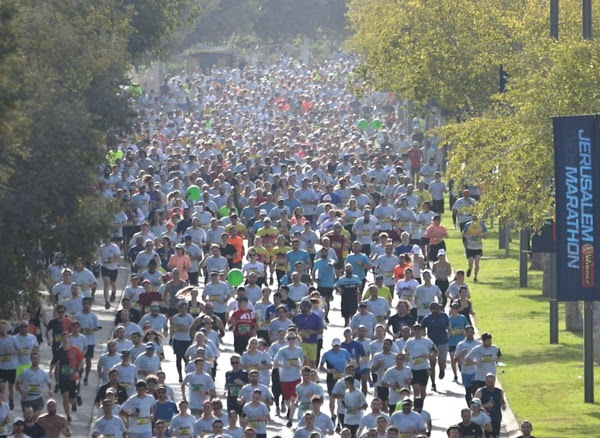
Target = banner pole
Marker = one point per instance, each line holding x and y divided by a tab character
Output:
588	351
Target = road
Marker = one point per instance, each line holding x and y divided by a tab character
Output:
444	405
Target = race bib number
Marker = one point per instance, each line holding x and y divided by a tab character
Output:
255	424
234	391
366	233
2	430
66	371
425	306
196	388
417	360
88	331
58	338
125	385
338	376
143	421
244	328
404	435
389	274
457	332
215	297
336	245
185	431
135	304
24	351
293	362
487	358
6	357
305	406
386	220
34	390
182	328
404	224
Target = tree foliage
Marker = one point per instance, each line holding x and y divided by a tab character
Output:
62	68
450	53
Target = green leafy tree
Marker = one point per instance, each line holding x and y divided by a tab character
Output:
63	65
450	53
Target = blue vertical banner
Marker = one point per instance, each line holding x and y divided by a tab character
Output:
577	179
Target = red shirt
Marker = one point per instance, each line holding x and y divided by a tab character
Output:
244	323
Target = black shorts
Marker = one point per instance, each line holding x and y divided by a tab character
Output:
420	377
438	206
349	306
326	292
37	405
424	242
472	253
69	386
9	376
54	356
339	265
180	347
89	352
112	274
330	384
452	348
383	393
172	312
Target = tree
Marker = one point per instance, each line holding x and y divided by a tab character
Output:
450	53
63	65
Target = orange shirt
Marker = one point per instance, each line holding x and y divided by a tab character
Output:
238	242
183	263
399	271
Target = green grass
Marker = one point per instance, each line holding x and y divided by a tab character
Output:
543	382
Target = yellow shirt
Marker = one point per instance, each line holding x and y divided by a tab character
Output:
383	292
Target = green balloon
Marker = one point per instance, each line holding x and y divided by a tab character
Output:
363	124
377	124
235	277
194	193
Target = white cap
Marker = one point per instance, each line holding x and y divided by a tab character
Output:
442	252
416	250
336	341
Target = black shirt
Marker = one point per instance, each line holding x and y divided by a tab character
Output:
134	316
397	322
233	389
35	431
121	393
226	250
471	431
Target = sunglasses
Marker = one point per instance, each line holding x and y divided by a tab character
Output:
234	363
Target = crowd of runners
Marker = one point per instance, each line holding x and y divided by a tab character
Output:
261	207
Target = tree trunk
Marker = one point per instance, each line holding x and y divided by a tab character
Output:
573	316
537	261
597	331
548	273
305	54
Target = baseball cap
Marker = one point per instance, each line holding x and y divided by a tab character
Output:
150	346
466	192
336	341
407	401
476	402
362	304
18	420
146	281
442	252
188	237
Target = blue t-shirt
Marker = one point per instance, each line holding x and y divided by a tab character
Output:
355	350
309	322
326	272
458	323
297	256
354	259
437	328
292	204
165	411
403	249
337	360
349	285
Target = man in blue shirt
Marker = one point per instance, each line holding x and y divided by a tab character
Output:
349	287
324	275
437	325
297	255
360	263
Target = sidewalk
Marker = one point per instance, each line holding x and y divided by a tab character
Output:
84	417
